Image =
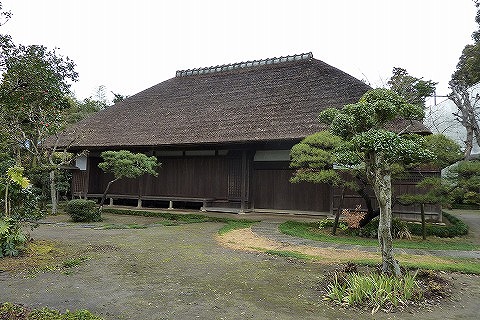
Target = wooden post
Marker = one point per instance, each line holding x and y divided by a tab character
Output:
337	216
87	178
244	182
111	202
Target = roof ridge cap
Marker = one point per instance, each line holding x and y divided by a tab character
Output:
241	65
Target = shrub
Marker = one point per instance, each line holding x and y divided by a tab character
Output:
327	223
456	228
11	237
399	229
83	210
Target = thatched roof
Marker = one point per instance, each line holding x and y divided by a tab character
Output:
273	99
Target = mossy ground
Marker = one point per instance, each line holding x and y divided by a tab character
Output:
182	271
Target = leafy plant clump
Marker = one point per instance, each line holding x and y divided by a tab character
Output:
376	291
19	312
368	289
81	210
12	238
73	262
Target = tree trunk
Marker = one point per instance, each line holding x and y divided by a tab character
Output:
468	143
424	229
104	196
371	213
337	215
382	186
467	116
53	193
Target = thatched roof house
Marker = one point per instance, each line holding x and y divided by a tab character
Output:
222	133
272	99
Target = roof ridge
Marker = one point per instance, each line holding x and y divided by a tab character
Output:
241	65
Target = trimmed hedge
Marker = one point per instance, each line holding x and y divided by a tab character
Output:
457	228
83	210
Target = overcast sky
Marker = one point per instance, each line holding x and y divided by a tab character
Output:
131	45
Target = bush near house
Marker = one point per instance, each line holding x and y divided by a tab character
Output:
454	228
81	210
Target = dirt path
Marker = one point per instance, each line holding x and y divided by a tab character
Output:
183	272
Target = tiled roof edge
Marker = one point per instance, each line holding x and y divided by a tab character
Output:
241	65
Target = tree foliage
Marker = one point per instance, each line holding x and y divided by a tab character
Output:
314	158
125	164
464	179
33	94
358	139
79	110
414	90
35	104
4	15
435	190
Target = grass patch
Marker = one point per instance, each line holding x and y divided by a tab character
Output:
290	254
39	254
471	266
411	262
19	312
73	262
185	218
312	231
173	219
235	225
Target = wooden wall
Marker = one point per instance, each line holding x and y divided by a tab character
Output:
272	189
179	177
223	178
267	185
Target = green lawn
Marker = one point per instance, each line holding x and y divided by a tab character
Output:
172	219
311	231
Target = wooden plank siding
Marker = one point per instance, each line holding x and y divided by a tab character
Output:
205	177
189	177
272	189
223	178
267	186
